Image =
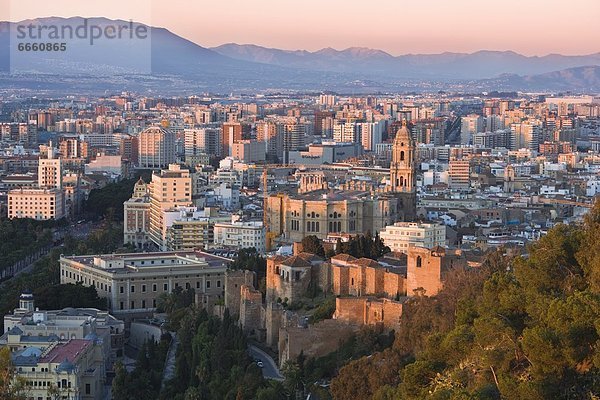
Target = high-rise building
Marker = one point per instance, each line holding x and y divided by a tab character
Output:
248	151
170	188
24	133
429	131
72	147
294	138
129	148
271	134
371	134
233	132
346	132
205	140
459	174
328	100
50	170
157	148
322	121
525	135
470	125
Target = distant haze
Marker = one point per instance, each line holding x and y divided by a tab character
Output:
530	27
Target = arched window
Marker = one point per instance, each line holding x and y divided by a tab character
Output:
402	155
401	181
318	228
419	261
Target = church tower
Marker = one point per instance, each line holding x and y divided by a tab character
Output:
402	185
402	168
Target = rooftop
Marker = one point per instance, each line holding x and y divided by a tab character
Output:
71	351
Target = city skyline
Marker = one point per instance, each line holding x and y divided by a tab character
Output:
530	28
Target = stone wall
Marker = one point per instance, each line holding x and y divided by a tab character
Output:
369	311
315	340
251	310
394	284
234	280
274	315
423	272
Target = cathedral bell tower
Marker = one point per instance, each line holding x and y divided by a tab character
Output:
402	168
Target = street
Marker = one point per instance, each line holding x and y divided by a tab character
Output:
270	370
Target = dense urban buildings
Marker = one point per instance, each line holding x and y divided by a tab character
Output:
357	205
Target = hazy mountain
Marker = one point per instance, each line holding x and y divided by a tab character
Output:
478	65
583	79
171	64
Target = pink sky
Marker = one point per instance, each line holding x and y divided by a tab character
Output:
532	27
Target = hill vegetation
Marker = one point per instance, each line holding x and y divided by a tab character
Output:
520	328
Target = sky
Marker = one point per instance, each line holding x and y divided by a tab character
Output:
530	27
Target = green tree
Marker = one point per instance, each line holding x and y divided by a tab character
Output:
13	386
312	244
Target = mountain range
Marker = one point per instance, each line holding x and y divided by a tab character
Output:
178	65
479	65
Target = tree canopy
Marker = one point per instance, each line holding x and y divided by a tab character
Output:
363	246
522	328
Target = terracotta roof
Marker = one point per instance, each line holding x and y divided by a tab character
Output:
296	261
310	256
367	262
71	350
438	249
344	257
278	257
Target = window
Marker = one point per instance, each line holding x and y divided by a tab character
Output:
88	388
419	261
143	288
166	287
132	304
143	303
154	287
208	284
218	284
132	288
121	289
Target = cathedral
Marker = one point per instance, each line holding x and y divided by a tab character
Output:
402	174
354	208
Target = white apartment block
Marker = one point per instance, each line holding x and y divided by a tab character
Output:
240	234
50	171
402	235
157	148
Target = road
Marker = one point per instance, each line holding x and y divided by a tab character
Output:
77	231
270	370
169	369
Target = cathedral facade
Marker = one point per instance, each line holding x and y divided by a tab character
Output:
317	210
